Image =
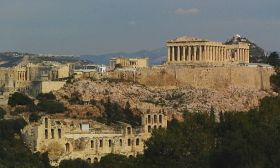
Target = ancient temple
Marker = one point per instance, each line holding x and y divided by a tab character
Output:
190	50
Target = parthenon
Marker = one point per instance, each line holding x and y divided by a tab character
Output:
190	50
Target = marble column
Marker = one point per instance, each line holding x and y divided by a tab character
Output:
210	53
178	54
168	54
247	55
173	54
215	53
225	54
189	54
194	53
184	53
200	53
205	53
244	55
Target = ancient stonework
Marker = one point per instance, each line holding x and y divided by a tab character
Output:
87	139
191	50
129	62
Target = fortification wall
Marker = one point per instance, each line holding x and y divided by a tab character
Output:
203	77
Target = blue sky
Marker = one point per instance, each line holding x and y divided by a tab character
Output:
104	26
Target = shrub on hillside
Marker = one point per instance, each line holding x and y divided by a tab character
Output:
2	113
51	106
46	96
20	99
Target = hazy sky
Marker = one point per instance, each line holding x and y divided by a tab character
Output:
104	26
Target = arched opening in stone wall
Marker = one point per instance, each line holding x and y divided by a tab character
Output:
129	130
46	134
129	142
149	129
46	123
160	118
155	118
137	141
67	147
91	144
155	127
59	133
95	160
52	133
110	143
88	160
149	119
100	143
120	142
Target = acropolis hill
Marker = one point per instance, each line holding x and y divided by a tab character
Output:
198	75
201	63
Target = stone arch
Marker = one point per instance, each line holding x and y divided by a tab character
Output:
129	130
149	119
110	143
91	144
137	141
149	129
160	118
67	147
155	118
89	160
121	142
46	122
95	160
128	142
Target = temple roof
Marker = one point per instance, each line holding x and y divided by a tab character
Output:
187	38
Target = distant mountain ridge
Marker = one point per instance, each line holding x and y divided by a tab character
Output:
156	56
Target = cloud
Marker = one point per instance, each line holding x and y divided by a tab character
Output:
191	11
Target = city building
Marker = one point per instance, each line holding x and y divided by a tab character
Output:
191	50
89	70
31	78
87	139
122	62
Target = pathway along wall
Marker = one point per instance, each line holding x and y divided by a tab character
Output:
202	77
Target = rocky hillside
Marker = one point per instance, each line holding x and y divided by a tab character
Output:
143	98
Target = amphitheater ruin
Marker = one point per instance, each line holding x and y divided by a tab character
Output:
87	139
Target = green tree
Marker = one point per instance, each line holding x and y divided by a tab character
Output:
20	99
273	59
51	106
34	117
77	163
2	113
184	144
116	161
13	152
46	96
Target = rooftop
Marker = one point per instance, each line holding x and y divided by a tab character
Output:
187	38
